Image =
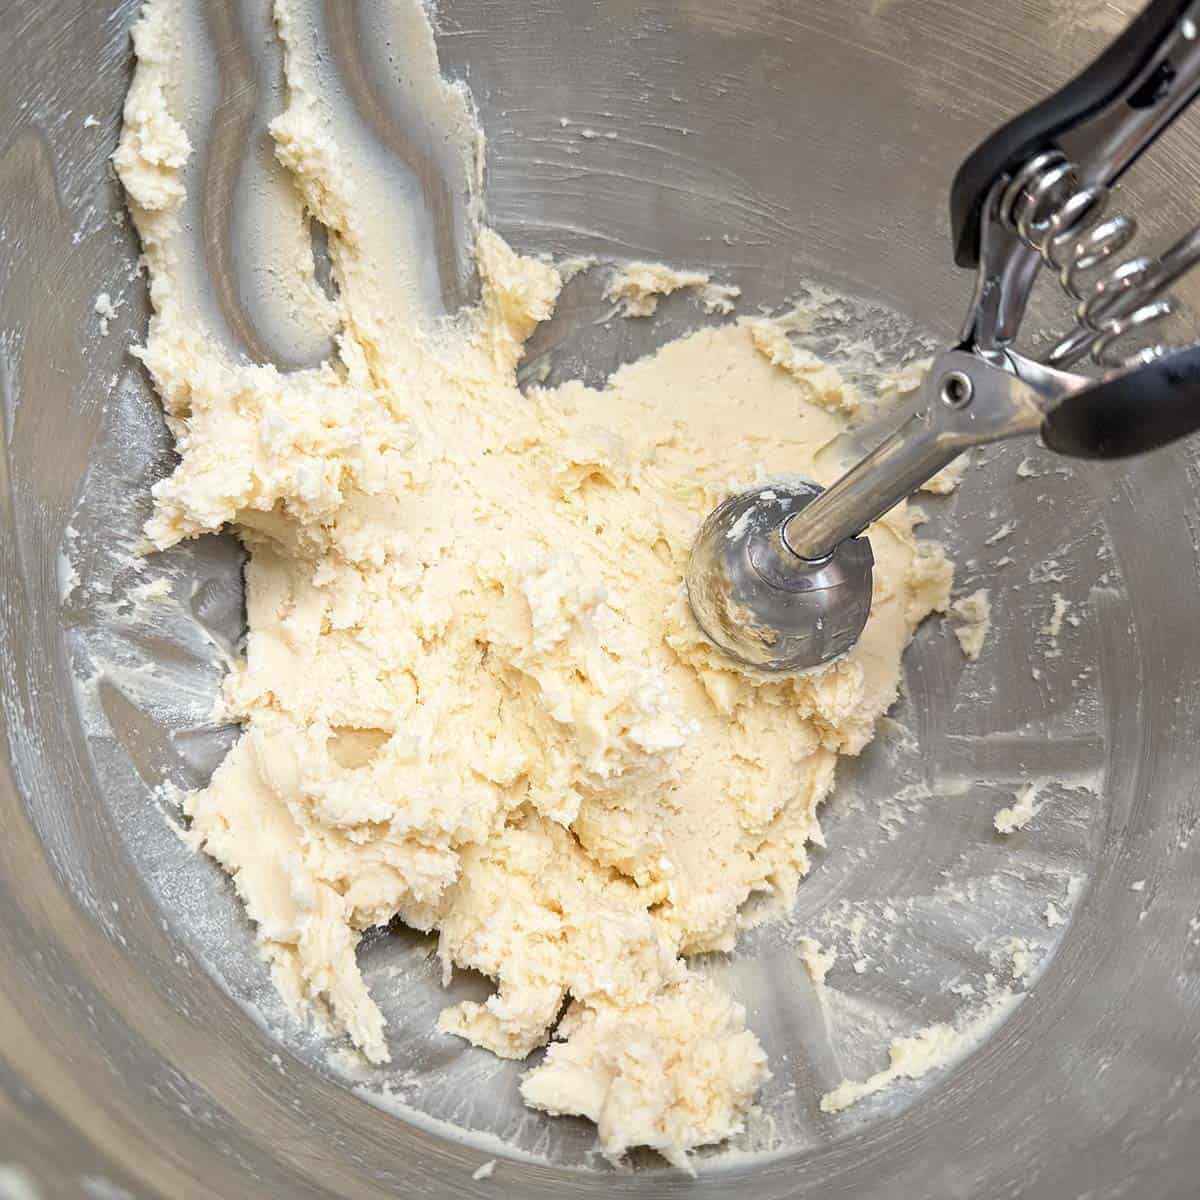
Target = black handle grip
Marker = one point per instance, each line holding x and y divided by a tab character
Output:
1131	414
1035	129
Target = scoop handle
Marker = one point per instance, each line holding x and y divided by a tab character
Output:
1129	414
1099	85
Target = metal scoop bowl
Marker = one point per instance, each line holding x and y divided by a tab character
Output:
763	603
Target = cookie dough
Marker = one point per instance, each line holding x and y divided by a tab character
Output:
975	613
638	287
473	696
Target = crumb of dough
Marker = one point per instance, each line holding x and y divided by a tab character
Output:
486	1171
975	611
639	286
926	1050
1138	885
672	1075
1009	820
903	380
473	697
105	310
948	478
817	960
930	580
1053	917
719	297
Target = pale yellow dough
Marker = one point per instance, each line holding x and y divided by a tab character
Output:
975	613
639	286
473	694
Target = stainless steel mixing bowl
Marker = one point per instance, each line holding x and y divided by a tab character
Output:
777	141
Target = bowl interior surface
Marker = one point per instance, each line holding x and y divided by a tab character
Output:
792	147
